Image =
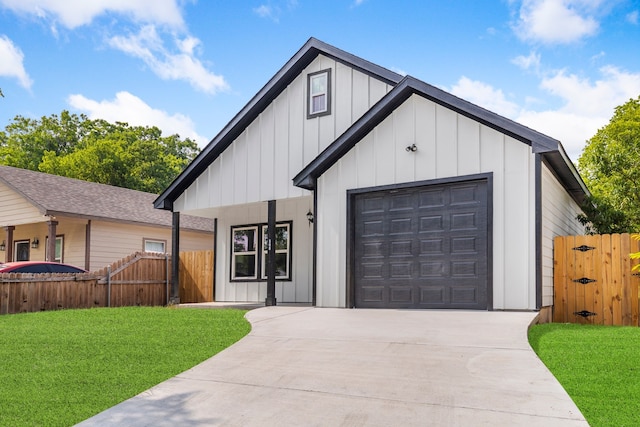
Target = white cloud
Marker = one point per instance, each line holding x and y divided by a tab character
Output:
130	109
12	62
557	21
528	62
72	14
485	96
632	17
266	11
586	104
181	65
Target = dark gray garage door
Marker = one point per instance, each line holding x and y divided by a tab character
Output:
422	247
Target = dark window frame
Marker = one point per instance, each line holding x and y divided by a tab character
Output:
327	111
259	253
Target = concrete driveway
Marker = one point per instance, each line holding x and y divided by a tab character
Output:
303	366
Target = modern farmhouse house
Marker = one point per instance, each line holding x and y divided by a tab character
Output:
384	190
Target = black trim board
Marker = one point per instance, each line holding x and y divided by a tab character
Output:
350	217
306	179
311	49
538	229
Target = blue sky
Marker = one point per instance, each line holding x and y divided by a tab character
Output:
558	66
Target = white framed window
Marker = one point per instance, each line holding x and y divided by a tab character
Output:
59	253
319	93
282	251
154	245
249	252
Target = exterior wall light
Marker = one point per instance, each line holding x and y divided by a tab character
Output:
35	243
3	246
310	216
411	148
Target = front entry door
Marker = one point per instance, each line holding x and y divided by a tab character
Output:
22	250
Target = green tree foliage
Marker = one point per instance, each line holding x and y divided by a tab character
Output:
117	154
610	166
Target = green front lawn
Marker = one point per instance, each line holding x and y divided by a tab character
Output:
599	366
61	367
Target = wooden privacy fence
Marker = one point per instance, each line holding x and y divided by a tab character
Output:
196	276
139	279
593	281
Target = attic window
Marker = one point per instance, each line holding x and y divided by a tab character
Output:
319	93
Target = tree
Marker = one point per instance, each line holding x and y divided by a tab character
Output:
610	166
117	154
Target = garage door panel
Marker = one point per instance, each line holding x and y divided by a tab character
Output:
433	269
422	247
431	223
373	228
401	248
433	198
400	226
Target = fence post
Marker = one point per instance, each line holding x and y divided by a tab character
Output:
109	286
167	281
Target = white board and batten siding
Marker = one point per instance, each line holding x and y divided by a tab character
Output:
559	212
260	164
449	145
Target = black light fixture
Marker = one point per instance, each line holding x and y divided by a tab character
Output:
310	216
35	243
411	148
3	246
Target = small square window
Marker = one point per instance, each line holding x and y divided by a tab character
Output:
155	246
319	94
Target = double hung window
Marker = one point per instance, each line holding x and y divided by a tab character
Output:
249	247
319	93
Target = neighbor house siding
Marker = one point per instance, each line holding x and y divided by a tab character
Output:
559	212
449	145
16	210
299	288
260	163
112	241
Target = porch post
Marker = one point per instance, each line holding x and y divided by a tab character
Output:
8	254
51	241
175	259
271	254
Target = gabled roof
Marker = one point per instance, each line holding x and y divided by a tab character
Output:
550	149
311	49
60	196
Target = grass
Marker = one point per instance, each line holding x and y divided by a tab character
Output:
599	366
62	367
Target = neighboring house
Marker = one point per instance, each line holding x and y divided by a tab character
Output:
388	192
90	225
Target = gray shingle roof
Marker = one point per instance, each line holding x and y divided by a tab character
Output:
57	195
